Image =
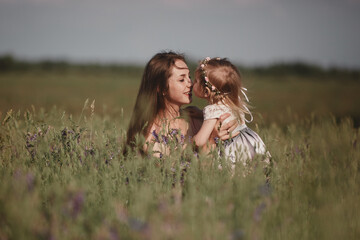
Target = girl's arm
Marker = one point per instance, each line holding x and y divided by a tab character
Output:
202	137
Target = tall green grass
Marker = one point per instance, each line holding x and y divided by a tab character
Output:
65	177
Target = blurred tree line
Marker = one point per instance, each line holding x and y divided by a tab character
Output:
9	63
302	69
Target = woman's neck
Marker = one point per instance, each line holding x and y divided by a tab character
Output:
166	115
167	120
170	117
171	111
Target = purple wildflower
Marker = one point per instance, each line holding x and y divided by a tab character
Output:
174	132
31	140
89	150
164	139
182	138
17	174
111	156
265	189
33	137
77	203
137	224
299	151
155	136
258	212
113	233
238	234
30	179
185	165
64	133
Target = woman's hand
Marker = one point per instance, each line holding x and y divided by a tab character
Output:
223	131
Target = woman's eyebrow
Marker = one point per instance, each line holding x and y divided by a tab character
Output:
184	74
182	68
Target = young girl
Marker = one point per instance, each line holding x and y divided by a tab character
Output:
218	81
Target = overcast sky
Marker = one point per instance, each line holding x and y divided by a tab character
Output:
250	32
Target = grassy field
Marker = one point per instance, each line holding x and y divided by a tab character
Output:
63	174
276	99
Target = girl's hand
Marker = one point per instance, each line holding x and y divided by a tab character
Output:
223	131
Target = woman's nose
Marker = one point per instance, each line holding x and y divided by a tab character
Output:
189	82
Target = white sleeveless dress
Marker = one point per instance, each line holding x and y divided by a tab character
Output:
242	147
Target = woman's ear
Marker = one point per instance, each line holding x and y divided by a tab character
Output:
158	91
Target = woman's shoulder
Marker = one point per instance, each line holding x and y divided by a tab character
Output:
194	117
192	112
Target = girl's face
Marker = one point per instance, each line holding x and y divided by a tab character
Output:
198	91
180	85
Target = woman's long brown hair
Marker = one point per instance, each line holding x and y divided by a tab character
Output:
150	100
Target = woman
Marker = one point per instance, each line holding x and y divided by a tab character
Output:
165	87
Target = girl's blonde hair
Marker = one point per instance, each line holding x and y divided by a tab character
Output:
221	81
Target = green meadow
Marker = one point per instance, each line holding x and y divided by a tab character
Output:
63	174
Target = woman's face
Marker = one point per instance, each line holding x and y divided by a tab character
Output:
180	85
